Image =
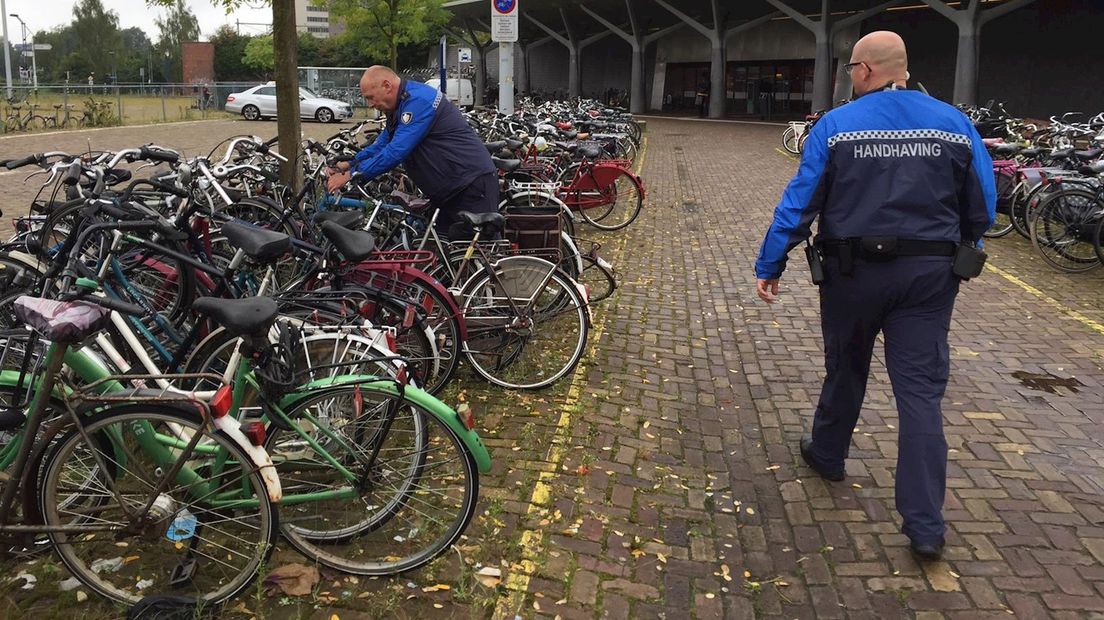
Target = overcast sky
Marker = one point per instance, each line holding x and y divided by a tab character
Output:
49	14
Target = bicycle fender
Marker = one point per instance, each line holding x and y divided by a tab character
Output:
257	454
420	397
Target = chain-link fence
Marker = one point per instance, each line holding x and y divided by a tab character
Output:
62	106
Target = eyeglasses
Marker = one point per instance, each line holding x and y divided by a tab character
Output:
850	66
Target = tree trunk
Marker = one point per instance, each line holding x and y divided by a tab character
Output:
394	57
286	47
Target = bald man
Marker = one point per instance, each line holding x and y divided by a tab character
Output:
903	188
439	151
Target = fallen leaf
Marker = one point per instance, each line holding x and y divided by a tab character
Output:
294	579
489	576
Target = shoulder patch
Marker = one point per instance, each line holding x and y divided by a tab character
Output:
437	99
407	117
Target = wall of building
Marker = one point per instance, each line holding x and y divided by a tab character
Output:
1043	59
198	60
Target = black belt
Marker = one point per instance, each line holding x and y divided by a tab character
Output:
902	247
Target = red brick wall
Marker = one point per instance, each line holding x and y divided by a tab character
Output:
199	62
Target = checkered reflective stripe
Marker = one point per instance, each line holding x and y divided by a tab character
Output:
898	134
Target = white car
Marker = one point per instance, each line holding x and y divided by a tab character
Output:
260	101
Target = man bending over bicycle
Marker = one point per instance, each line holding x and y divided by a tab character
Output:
440	152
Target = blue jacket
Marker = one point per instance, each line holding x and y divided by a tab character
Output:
429	136
894	163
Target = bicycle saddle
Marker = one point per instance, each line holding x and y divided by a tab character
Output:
1089	154
1005	149
1032	152
506	165
354	245
514	145
492	219
264	246
61	321
591	151
240	317
344	219
1093	169
494	147
410	202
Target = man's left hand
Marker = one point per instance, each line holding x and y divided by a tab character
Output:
767	289
337	181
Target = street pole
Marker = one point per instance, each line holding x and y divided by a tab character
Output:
23	29
7	48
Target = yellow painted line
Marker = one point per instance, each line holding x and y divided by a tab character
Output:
532	541
787	154
1047	299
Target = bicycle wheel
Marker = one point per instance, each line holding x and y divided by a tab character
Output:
212	527
619	201
789	140
390	513
527	323
1098	240
1063	228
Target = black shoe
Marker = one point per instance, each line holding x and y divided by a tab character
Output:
927	552
807	454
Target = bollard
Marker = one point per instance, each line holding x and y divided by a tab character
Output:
164	116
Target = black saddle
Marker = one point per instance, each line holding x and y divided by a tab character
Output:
570	134
591	151
1093	169
264	246
240	317
1032	152
494	147
1089	155
514	145
354	245
1065	153
482	221
506	165
344	219
1006	149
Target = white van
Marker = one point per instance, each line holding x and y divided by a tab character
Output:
459	91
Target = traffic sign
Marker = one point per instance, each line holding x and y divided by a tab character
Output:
28	53
504	21
463	54
43	46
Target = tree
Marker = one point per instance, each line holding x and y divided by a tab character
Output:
259	54
96	37
287	83
136	55
381	26
178	26
229	52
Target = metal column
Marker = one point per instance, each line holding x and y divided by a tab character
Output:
506	78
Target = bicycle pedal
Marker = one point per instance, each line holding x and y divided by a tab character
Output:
11	419
183	573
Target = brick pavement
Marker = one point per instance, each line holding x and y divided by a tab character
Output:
694	501
665	480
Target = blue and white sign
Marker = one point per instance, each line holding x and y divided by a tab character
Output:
504	21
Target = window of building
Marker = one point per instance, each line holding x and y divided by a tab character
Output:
313	29
323	19
317	9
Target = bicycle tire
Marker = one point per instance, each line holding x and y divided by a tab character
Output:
789	140
215	579
1059	230
380	532
626	196
498	338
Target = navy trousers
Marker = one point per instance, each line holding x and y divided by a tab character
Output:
909	300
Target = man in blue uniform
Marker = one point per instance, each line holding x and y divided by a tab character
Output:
903	185
438	149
